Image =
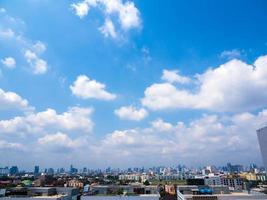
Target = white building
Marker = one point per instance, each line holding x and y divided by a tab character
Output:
262	137
134	177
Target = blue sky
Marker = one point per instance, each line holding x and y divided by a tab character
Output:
101	81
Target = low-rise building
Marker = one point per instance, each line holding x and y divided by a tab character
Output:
234	183
41	193
214	193
75	183
122	189
133	177
213	180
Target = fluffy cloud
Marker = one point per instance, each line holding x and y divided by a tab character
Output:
233	86
9	62
160	125
81	9
173	76
128	16
85	88
39	47
76	119
108	29
39	66
60	142
131	113
11	100
202	141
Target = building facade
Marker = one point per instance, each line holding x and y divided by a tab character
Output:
262	137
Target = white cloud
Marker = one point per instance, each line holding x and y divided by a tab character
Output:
160	125
166	96
131	113
108	29
9	62
173	76
128	16
6	33
10	146
39	66
81	9
201	141
233	86
11	28
60	142
85	88
209	138
234	53
11	100
76	119
39	47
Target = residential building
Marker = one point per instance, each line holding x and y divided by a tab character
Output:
75	183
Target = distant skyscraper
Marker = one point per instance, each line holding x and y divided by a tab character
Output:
262	137
36	170
50	171
13	170
73	170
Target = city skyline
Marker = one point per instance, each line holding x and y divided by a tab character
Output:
123	83
181	168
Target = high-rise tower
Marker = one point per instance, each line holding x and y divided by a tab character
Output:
262	137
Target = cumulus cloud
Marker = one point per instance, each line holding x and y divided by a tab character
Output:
9	62
39	47
81	9
38	65
202	141
160	125
85	88
60	142
11	100
131	113
126	13
173	76
76	119
232	87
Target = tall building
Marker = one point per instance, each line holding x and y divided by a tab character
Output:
262	137
13	170
36	170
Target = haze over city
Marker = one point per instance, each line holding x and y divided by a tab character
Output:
117	83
